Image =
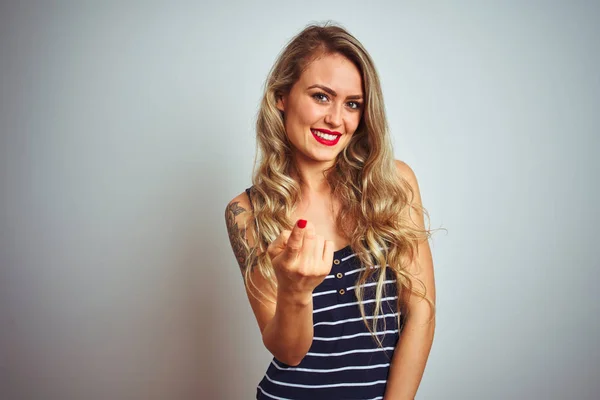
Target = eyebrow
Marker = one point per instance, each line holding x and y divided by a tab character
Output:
333	93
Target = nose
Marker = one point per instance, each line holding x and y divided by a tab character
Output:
334	116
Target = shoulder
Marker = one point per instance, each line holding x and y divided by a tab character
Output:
239	205
406	173
238	215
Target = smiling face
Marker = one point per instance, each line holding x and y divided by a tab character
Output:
323	109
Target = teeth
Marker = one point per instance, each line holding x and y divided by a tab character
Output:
325	136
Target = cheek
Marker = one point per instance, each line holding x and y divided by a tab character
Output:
308	112
353	122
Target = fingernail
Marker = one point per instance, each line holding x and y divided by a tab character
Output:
301	223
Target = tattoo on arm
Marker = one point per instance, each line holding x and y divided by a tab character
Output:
236	234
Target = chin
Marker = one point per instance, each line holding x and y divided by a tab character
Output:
325	157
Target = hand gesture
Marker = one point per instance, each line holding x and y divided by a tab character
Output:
301	259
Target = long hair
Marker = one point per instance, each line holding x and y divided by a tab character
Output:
372	195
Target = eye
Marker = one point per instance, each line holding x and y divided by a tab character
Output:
354	105
320	97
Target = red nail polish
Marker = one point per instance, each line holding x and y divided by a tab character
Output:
301	223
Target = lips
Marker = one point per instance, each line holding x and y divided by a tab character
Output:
326	137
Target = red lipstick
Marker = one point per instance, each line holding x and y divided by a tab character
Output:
324	141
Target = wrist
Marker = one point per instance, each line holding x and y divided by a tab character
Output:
293	299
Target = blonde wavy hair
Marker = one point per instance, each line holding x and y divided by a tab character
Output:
373	196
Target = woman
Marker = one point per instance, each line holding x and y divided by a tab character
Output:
331	238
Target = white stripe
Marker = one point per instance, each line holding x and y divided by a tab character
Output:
351	304
323	386
352	271
348	257
360	269
326	371
322	293
352	288
353	319
271	396
330	339
370	284
343	353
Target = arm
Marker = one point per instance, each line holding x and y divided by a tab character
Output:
412	350
289	333
284	318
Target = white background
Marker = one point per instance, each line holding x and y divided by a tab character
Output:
126	129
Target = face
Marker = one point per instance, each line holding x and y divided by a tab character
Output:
323	109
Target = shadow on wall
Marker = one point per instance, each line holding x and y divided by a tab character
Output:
231	348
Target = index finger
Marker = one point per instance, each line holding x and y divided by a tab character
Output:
279	244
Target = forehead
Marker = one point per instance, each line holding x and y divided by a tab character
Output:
334	71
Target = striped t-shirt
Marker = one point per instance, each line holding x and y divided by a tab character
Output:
344	361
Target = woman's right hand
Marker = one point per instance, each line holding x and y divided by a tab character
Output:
301	260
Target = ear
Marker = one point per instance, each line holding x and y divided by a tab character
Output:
280	103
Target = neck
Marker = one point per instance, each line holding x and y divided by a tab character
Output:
312	175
